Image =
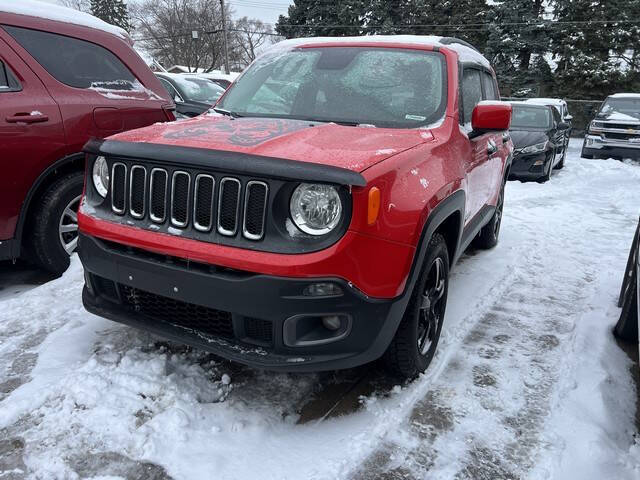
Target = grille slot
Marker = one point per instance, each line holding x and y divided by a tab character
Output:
203	202
158	195
176	312
137	191
255	207
228	206
118	187
180	192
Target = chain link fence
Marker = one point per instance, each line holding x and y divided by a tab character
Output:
583	111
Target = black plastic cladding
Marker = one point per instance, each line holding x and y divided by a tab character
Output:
276	237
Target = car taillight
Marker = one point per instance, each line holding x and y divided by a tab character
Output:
169	110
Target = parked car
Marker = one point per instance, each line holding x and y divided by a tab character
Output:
563	109
627	326
615	132
222	79
538	135
292	234
192	95
61	84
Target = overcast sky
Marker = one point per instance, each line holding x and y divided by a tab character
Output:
267	11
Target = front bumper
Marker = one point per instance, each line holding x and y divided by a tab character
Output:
529	166
596	146
255	307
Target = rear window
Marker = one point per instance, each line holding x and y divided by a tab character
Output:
75	62
8	82
530	117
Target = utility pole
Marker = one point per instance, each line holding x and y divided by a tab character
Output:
224	32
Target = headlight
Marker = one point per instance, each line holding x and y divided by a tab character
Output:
315	209
537	148
101	176
596	125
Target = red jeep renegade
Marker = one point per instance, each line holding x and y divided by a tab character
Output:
61	84
310	221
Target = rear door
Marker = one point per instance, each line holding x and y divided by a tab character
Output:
31	135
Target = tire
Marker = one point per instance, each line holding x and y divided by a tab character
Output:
629	270
489	234
627	326
547	176
416	339
53	223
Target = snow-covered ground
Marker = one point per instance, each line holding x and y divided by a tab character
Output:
527	383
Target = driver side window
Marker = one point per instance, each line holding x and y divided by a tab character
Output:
471	93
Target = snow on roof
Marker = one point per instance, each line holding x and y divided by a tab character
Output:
34	8
465	54
546	101
625	95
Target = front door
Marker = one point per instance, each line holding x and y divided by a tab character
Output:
31	135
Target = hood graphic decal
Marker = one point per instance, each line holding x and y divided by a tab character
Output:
244	132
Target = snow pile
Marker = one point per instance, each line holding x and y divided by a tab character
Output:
34	8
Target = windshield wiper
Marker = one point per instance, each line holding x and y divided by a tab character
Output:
226	112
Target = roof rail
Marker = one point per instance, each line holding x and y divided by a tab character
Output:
450	40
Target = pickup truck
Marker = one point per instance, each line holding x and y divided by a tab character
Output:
615	132
310	220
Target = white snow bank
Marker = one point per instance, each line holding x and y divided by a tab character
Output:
35	8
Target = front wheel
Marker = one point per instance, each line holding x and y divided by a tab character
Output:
560	164
54	227
415	342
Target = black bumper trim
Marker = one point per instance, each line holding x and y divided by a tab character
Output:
374	321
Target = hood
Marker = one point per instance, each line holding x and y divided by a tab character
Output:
353	148
619	117
525	138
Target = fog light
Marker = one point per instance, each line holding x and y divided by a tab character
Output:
332	322
322	290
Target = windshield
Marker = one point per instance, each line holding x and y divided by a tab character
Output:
530	117
199	89
356	85
620	107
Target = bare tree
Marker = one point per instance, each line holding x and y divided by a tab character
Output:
249	35
82	5
165	28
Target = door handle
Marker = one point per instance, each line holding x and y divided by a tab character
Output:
27	118
491	148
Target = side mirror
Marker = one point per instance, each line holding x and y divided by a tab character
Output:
568	118
564	126
490	116
177	98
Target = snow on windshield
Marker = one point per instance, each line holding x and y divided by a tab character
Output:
621	109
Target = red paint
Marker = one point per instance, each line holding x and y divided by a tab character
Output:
414	169
491	116
70	116
381	276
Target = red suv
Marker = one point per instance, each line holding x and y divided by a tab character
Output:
310	222
60	85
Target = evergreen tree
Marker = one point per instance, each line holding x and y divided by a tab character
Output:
111	11
313	18
596	57
518	45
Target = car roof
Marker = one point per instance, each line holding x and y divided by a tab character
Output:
624	95
531	105
466	53
58	13
546	101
